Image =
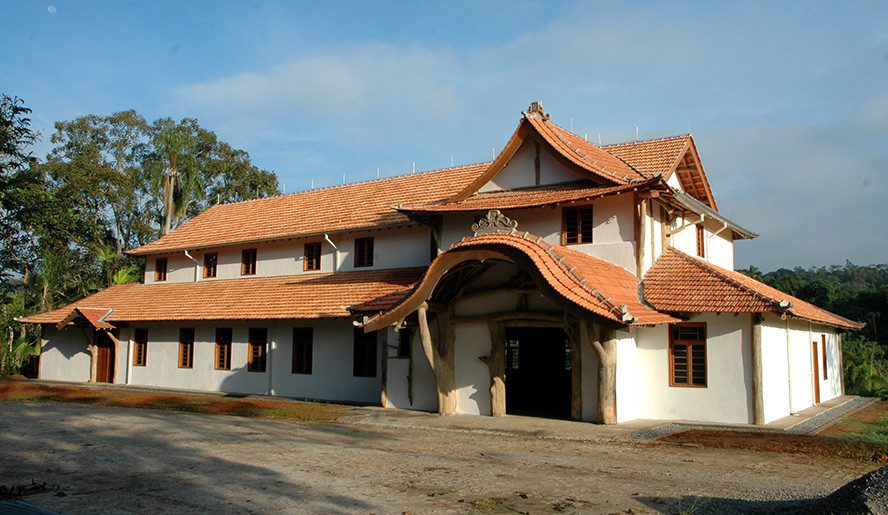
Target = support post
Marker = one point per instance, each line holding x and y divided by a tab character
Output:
496	362
440	357
383	336
758	399
576	370
604	341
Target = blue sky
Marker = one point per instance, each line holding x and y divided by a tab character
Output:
788	103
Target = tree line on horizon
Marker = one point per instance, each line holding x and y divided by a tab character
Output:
115	182
108	184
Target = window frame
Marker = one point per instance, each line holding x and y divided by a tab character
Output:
137	343
220	344
186	347
161	272
214	256
303	347
365	341
307	261
579	211
251	366
249	266
823	353
688	343
700	232
368	257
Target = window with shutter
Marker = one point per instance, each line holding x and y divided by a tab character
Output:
687	355
257	349
223	348
186	347
248	262
576	225
312	257
363	252
701	241
160	269
140	347
210	261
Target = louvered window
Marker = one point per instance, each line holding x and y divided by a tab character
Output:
140	347
687	355
576	225
701	241
223	348
186	347
258	341
248	262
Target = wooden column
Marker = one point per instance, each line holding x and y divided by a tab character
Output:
758	399
496	362
576	370
604	342
383	336
440	357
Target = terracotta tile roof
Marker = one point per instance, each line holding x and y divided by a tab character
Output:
365	205
95	316
654	156
679	283
524	198
591	155
602	288
298	296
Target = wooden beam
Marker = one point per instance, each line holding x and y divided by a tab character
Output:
758	399
385	358
604	342
496	363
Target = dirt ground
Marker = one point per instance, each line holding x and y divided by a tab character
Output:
100	458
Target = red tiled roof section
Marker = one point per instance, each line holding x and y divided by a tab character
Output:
516	199
652	156
299	296
595	285
588	155
680	283
95	316
366	205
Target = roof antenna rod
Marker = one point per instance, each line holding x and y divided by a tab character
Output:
636	133
312	184
599	139
414	167
492	152
377	172
343	178
571	124
451	160
586	136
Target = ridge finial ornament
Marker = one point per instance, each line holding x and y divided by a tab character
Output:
493	221
536	110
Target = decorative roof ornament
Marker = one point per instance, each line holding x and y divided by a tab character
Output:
536	110
493	221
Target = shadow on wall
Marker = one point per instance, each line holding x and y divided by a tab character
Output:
112	459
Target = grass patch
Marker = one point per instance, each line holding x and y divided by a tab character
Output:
873	433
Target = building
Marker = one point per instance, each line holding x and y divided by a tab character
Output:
562	279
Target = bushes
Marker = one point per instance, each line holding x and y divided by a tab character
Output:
866	367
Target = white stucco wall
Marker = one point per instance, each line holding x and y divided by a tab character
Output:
727	396
65	356
629	395
519	171
719	247
775	368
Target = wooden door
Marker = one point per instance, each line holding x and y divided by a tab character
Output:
104	359
816	365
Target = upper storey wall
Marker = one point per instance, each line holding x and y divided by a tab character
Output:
520	172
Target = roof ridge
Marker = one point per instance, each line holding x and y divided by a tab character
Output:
717	270
301	192
648	140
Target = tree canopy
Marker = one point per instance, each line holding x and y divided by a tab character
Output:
109	183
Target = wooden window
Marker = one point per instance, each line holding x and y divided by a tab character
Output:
823	354
140	347
405	340
687	355
223	349
186	347
248	262
363	252
258	342
701	241
576	225
160	269
365	354
211	259
303	343
311	259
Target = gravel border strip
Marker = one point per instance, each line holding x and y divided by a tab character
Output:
802	428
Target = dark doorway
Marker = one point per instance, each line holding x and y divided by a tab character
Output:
538	372
105	358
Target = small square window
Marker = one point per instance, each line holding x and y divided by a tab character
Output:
363	252
160	269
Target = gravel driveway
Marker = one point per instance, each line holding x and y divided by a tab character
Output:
121	459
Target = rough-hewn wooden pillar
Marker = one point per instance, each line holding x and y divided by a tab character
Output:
383	338
758	399
604	341
440	357
576	370
496	362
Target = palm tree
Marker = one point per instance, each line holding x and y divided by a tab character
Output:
173	170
